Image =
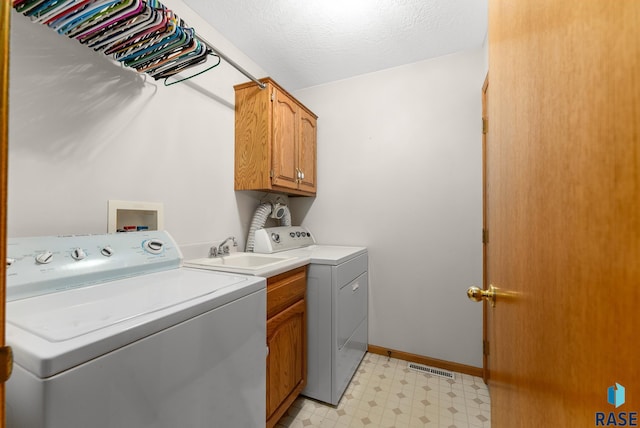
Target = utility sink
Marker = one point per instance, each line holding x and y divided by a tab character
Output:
239	262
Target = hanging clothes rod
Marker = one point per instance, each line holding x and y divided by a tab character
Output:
232	63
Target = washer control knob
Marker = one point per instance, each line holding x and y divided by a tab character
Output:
44	258
275	237
153	246
78	254
292	234
106	251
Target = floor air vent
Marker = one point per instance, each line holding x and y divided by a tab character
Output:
430	370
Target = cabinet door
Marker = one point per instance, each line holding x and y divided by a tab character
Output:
286	363
307	151
253	132
285	128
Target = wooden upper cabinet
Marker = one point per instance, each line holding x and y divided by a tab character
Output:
286	116
307	151
276	140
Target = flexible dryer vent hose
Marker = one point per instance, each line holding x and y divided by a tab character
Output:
260	219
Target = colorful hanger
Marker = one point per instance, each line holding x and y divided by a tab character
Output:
141	34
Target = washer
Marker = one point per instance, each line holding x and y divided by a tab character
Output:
109	331
337	307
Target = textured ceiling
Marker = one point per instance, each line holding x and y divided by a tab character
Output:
303	43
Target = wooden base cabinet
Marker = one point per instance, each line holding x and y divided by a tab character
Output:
286	340
275	141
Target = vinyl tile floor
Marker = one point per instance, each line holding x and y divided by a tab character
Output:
385	393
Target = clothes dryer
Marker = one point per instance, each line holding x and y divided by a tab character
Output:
337	307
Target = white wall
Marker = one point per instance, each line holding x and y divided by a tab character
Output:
83	130
485	50
400	171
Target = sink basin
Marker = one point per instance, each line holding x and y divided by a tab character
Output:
238	261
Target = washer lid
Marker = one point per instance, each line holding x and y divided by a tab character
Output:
55	332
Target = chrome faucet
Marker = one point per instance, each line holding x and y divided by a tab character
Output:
222	249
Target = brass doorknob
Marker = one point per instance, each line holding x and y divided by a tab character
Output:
477	294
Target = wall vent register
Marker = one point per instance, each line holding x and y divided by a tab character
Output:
421	368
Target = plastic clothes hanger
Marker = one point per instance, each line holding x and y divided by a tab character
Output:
55	9
98	15
182	63
62	11
70	11
43	8
157	24
138	32
157	49
197	74
138	40
26	6
148	43
142	34
198	53
192	47
185	37
102	17
121	30
127	10
69	22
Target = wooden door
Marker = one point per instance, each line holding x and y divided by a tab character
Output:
5	17
285	128
285	366
564	218
307	151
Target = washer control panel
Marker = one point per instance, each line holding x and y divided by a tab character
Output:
274	239
41	265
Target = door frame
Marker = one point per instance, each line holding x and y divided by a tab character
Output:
485	232
5	17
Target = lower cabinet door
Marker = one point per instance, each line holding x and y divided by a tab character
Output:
286	362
